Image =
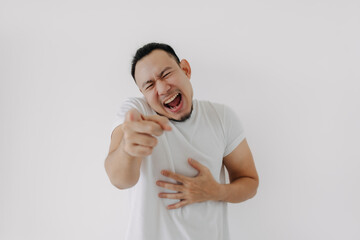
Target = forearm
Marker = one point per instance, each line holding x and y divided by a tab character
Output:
123	170
238	190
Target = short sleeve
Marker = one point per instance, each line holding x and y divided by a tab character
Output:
129	103
234	130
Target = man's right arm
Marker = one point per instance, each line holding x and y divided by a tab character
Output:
122	169
130	143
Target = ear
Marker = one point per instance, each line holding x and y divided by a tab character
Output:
185	66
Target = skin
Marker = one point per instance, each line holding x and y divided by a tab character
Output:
159	77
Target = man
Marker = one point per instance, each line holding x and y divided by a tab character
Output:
170	151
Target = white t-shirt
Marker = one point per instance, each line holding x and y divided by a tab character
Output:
212	132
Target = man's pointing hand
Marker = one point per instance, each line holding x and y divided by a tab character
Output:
140	131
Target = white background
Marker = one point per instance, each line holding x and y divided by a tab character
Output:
290	69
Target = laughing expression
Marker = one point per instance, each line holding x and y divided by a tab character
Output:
165	84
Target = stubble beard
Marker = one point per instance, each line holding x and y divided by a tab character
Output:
183	118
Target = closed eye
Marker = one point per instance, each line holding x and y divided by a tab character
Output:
149	86
166	74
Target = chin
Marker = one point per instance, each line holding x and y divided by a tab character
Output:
182	118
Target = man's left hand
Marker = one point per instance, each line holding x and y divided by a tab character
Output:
202	187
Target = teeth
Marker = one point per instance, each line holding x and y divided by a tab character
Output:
171	99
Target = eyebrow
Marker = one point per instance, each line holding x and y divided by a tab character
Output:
159	76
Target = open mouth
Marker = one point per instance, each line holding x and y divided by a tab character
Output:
174	102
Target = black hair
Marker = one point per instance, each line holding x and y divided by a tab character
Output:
147	49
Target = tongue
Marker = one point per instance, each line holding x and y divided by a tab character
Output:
175	102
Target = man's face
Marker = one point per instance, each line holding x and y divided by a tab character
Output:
165	85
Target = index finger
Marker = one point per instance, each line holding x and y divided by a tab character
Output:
161	120
175	176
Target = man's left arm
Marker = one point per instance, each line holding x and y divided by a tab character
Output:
243	184
243	176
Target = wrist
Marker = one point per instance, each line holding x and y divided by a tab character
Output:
220	193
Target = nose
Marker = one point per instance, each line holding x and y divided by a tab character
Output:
162	86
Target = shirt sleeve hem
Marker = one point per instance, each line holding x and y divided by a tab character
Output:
233	145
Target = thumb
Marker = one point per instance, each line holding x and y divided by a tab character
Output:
133	115
195	164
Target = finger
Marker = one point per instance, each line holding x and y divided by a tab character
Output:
178	204
175	176
133	115
171	195
141	139
147	127
171	186
195	164
138	150
161	120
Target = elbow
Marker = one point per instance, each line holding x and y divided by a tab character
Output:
122	185
119	180
256	186
253	194
252	187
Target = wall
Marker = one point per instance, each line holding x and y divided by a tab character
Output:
290	69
